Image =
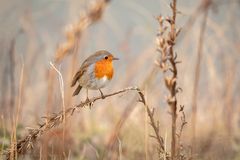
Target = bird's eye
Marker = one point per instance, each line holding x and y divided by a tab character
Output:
106	57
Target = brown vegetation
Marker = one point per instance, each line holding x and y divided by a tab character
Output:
188	111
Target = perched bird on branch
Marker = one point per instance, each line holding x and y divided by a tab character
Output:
95	72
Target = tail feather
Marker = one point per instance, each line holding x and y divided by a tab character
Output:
75	79
78	89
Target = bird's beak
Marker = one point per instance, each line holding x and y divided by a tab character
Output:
115	58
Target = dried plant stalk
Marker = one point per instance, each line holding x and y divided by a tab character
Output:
92	15
197	72
168	63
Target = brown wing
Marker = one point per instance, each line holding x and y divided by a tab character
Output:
80	72
76	77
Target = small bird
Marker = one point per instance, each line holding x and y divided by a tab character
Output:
95	72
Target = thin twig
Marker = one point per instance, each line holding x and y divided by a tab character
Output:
27	143
61	84
126	113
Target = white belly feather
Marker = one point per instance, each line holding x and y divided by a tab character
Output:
97	83
100	83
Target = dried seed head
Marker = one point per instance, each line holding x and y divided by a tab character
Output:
178	31
157	62
162	42
157	41
168	82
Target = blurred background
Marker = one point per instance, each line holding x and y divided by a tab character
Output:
31	31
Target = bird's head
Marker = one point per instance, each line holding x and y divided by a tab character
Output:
105	56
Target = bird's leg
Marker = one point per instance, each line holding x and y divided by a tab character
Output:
102	94
87	99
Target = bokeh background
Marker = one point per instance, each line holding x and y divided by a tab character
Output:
32	30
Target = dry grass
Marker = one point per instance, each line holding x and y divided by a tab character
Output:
200	62
27	143
74	31
206	6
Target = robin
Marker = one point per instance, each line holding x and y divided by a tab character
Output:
95	72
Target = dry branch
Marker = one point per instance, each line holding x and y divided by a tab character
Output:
27	143
166	40
92	15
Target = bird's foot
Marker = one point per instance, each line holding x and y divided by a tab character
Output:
87	100
88	103
102	95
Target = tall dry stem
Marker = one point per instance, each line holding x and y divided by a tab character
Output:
166	40
14	153
197	76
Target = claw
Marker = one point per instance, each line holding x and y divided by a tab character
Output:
87	100
102	95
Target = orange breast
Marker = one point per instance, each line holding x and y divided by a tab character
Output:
103	68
